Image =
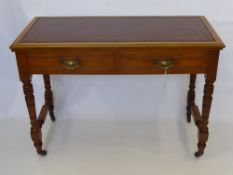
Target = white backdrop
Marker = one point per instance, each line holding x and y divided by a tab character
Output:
114	97
116	124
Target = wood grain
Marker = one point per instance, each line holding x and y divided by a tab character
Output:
49	96
118	45
191	96
176	31
36	133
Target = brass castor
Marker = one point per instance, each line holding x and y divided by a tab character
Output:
42	152
198	153
188	118
52	116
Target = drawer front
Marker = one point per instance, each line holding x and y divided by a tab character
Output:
120	61
71	63
161	62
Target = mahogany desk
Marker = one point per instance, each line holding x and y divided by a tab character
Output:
118	45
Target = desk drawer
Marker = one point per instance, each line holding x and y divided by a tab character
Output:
71	64
122	61
156	62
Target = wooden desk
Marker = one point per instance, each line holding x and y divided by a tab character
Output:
118	45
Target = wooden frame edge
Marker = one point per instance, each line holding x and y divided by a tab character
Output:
23	33
17	45
58	45
212	31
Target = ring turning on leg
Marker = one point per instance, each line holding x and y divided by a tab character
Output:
203	132
191	96
36	134
49	96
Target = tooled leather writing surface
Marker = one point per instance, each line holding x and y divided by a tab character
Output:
118	29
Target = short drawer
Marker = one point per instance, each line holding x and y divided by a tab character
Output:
160	62
70	63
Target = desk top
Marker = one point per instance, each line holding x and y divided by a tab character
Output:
117	31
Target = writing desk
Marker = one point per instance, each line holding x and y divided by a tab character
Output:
118	45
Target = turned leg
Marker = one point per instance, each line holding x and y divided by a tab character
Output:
191	96
49	96
36	134
203	125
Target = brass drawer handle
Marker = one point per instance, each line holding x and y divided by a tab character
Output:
165	63
69	64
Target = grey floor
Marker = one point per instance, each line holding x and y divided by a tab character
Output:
115	147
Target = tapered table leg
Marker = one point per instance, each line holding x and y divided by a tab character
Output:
203	132
190	96
36	134
49	96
